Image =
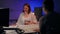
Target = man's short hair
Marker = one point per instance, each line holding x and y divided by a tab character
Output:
49	5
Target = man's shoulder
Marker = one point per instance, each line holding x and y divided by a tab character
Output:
54	17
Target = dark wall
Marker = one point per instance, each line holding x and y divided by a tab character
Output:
57	6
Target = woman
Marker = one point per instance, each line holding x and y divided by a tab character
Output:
26	17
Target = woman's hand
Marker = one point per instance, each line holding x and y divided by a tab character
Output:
26	22
29	22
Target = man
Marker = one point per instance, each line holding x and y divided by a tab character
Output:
51	21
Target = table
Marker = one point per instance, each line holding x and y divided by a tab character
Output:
26	28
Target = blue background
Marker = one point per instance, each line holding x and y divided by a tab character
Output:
16	6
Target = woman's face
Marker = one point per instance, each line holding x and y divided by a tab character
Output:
26	8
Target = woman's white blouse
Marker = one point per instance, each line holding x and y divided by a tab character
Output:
31	17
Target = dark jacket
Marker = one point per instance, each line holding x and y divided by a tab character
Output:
50	24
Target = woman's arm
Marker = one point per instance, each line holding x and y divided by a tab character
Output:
34	20
19	20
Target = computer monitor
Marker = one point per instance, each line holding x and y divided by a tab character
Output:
4	17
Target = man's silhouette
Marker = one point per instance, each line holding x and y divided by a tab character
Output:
51	20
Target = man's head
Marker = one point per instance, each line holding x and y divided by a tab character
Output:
48	6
